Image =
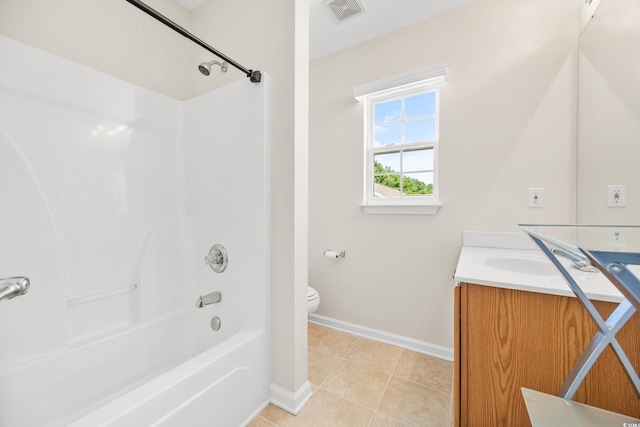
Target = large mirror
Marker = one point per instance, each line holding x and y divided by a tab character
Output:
608	151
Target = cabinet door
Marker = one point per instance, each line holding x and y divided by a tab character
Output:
520	339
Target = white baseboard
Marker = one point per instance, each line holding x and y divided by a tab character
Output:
412	344
291	402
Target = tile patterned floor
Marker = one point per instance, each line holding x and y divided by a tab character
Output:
359	382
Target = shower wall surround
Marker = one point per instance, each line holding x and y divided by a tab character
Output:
111	197
89	164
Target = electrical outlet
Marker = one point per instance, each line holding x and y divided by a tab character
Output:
616	196
616	237
536	197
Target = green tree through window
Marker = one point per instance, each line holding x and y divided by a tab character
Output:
392	180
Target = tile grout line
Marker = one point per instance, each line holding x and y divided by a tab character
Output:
451	405
342	359
270	423
424	385
375	410
289	422
386	386
390	374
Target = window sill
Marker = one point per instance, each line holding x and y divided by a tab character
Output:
402	209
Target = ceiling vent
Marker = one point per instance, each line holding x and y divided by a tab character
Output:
343	10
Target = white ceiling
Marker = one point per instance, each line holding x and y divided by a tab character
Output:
381	16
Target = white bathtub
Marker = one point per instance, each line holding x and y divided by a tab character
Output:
159	374
219	387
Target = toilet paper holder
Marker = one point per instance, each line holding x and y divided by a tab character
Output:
334	254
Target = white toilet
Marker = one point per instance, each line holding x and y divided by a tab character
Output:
313	300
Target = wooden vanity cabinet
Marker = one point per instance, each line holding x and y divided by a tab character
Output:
507	339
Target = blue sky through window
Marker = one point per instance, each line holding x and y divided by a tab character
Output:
389	160
388	134
389	111
413	160
417	127
420	129
416	160
420	105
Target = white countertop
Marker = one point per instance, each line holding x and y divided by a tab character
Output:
523	267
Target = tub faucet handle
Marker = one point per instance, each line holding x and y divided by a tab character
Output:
213	259
217	258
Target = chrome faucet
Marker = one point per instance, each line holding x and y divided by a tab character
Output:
217	258
13	287
582	264
212	298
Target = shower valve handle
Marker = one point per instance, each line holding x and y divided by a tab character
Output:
217	258
213	259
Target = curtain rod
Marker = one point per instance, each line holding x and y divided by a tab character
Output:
254	76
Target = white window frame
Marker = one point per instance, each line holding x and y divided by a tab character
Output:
420	81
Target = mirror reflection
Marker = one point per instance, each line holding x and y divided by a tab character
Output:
608	155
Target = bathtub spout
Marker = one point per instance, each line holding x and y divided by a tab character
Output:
212	298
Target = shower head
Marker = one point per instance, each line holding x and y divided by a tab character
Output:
205	67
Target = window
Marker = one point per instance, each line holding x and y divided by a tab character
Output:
401	147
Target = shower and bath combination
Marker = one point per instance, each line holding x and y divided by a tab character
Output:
121	342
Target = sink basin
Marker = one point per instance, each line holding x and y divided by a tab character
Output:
523	266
